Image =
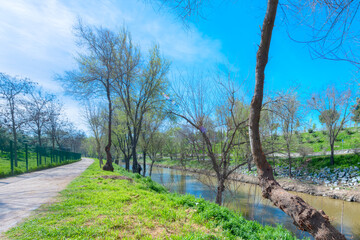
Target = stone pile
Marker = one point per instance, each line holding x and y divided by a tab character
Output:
345	177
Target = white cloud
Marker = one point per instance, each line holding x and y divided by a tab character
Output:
36	38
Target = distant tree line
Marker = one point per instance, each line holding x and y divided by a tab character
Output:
29	114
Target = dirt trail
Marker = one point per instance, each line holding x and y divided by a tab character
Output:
24	193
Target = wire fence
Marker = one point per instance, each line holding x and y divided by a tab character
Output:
30	158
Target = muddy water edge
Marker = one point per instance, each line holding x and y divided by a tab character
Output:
246	199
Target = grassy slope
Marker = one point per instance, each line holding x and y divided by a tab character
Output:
319	141
96	208
314	164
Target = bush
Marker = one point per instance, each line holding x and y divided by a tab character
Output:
349	132
310	130
305	151
324	132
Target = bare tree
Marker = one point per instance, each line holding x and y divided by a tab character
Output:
286	107
334	111
94	115
38	112
55	122
201	111
12	92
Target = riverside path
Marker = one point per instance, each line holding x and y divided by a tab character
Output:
22	194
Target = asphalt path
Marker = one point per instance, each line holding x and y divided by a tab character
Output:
22	194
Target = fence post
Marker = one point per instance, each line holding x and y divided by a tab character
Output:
26	157
11	157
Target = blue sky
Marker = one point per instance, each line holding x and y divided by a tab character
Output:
36	41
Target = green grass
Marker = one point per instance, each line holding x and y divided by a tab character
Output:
5	164
315	164
95	208
319	141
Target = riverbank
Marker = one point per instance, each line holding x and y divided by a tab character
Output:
122	205
291	184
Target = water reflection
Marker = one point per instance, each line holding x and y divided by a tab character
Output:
247	199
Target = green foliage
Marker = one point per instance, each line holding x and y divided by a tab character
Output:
96	208
341	161
329	117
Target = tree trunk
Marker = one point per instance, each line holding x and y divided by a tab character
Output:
14	132
39	138
220	190
151	167
332	162
127	163
305	217
108	165
135	162
144	164
290	164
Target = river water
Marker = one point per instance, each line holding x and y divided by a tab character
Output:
246	199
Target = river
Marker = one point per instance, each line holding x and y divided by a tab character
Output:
246	199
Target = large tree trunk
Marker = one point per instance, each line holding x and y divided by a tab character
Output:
219	192
135	162
108	165
305	217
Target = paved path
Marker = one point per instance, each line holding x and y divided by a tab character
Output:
21	194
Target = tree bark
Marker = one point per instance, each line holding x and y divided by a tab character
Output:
332	162
220	190
144	167
305	217
151	167
135	162
108	165
290	164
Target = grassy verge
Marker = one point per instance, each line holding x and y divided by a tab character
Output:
138	208
5	167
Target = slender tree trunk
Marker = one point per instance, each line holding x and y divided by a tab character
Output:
108	165
332	162
39	138
290	164
12	107
135	162
144	167
305	217
151	167
15	145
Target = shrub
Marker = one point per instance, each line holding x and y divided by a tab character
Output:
349	132
310	130
305	151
